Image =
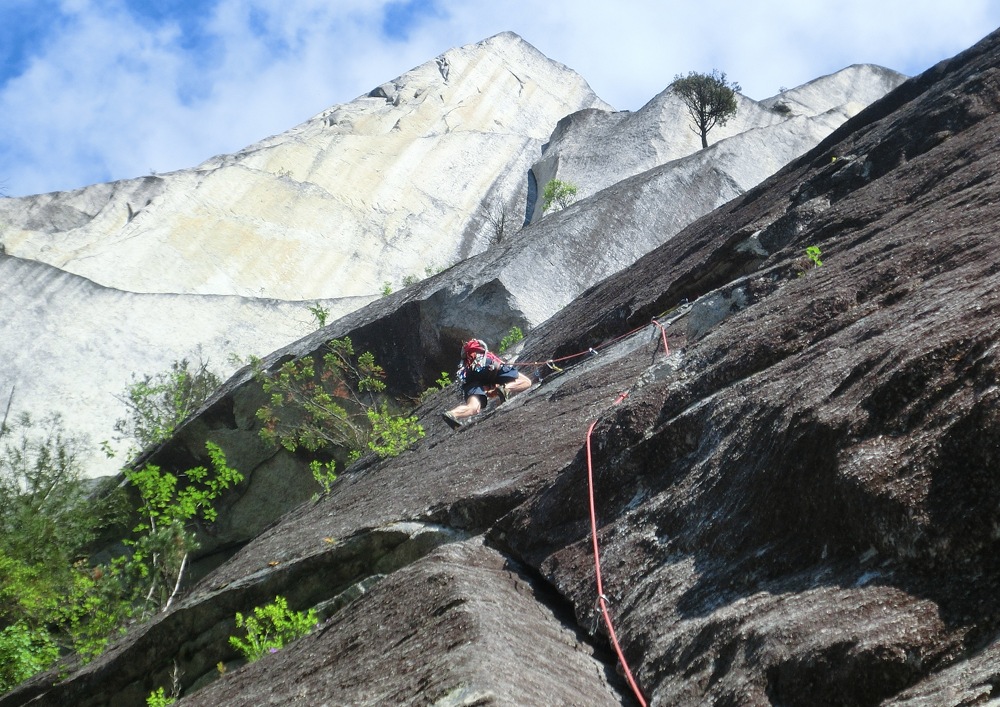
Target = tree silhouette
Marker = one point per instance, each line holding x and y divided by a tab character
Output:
710	99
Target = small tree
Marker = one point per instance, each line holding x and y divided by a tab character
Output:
710	99
498	220
337	405
162	539
158	403
44	514
50	600
558	193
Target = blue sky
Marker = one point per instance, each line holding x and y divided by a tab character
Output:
97	90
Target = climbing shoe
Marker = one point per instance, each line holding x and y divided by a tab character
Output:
452	421
503	393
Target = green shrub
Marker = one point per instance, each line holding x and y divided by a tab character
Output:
96	609
337	405
158	403
52	599
813	252
162	542
323	473
513	338
558	193
442	383
271	628
392	434
24	651
320	314
44	513
159	698
47	518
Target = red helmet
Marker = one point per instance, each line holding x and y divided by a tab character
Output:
473	347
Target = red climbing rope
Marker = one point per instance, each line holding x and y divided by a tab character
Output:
601	598
663	332
591	350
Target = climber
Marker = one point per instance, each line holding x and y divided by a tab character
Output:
483	375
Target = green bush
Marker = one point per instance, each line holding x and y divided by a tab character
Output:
558	193
44	513
96	609
513	338
47	519
338	405
323	473
392	434
813	253
158	403
52	599
271	628
442	383
24	651
320	314
161	541
159	698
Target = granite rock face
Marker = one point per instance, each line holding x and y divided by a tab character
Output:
594	149
796	502
388	189
371	191
70	345
224	259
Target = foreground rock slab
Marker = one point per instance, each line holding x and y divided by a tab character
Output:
474	629
794	480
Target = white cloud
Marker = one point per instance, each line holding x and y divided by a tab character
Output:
110	95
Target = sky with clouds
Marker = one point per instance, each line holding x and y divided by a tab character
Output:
97	90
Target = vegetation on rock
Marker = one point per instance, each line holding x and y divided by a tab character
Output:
710	99
559	194
270	628
336	405
162	542
158	403
55	599
512	338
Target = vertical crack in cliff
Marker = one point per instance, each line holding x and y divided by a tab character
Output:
564	611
